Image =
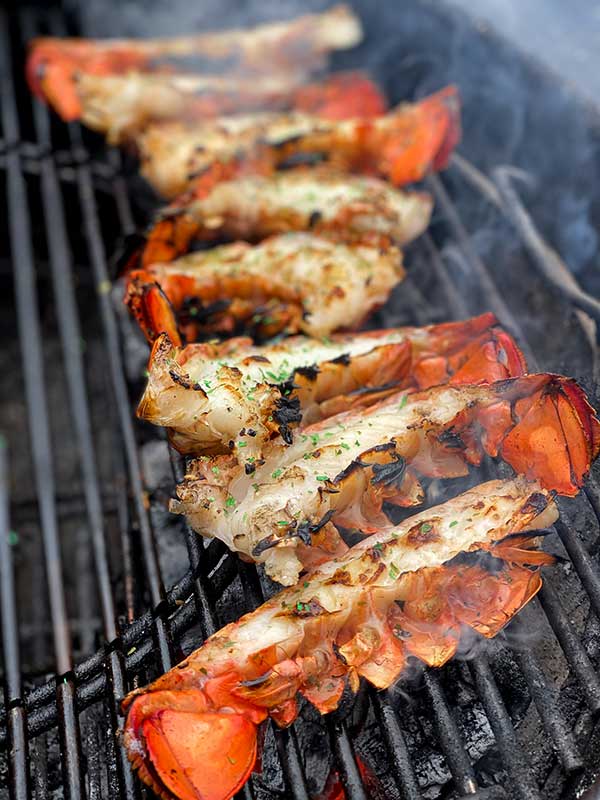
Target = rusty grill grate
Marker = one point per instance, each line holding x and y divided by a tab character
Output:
67	204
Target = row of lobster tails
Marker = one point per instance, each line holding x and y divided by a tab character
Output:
289	206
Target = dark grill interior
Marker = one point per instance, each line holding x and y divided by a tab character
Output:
109	590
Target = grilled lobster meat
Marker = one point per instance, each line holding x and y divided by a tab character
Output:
285	510
348	208
210	395
294	49
402	145
409	590
292	282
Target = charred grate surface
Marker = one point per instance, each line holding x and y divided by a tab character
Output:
102	590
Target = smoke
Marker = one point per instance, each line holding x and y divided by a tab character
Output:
159	18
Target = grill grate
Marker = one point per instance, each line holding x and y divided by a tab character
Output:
140	630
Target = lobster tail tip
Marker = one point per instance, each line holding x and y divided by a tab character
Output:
152	309
182	749
200	756
557	433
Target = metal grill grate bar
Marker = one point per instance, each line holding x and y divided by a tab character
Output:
546	702
18	758
397	749
37	406
587	572
523	784
571	646
449	737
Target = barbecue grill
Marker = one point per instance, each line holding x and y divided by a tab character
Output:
102	590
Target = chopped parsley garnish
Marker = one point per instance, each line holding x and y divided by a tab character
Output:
453	523
322	477
403	402
394	572
230	502
276	473
426	527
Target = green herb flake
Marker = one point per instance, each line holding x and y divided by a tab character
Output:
403	402
322	477
453	523
394	571
230	502
242	444
276	473
215	470
282	522
426	527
